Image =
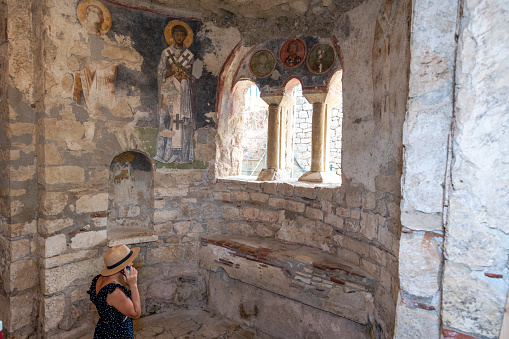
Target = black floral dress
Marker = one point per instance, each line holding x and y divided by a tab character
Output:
112	323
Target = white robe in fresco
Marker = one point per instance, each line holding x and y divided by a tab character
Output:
176	107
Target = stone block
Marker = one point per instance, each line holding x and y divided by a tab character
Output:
22	173
54	245
314	213
170	192
250	213
269	187
414	323
230	212
378	256
162	255
369	225
54	309
53	175
305	192
277	203
351	225
65	259
385	237
264	231
190	211
165	216
162	290
182	228
92	203
370	267
286	189
22	275
159	204
240	196
353	199
53	203
356	246
253	185
57	279
224	196
51	155
343	212
295	206
419	264
259	197
89	239
472	303
19	249
214	226
17	129
334	221
52	226
22	308
269	216
21	229
325	193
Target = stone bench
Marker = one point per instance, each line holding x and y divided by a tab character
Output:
297	272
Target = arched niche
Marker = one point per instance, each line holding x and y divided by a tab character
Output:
130	201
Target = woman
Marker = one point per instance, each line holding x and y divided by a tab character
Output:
115	304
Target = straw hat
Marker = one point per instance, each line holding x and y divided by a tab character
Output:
117	258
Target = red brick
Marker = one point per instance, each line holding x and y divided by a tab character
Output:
454	334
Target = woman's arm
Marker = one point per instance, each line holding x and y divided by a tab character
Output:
119	300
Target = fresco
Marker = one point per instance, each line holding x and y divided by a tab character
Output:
262	63
148	67
321	58
176	96
292	53
312	68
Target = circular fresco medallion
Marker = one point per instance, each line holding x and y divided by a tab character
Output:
292	53
321	58
262	63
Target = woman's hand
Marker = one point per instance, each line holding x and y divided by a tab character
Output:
131	276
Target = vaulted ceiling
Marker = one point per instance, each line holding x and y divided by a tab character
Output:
259	20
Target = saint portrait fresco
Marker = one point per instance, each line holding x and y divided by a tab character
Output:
94	16
97	79
176	96
321	58
292	53
262	63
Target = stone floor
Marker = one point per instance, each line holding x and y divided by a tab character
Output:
191	324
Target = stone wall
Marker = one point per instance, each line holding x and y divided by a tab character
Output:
426	137
356	225
476	277
20	104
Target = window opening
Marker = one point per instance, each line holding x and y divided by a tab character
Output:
254	141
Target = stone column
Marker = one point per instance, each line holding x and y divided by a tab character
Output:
319	172
276	101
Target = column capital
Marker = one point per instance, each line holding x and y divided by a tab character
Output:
276	97
315	95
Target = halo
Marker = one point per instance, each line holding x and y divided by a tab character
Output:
169	37
82	13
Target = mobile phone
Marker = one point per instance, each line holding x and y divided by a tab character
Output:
128	268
